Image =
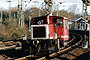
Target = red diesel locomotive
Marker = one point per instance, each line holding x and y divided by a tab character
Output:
49	30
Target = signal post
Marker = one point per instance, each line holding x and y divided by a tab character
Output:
49	4
85	4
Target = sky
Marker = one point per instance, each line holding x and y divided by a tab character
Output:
65	5
4	4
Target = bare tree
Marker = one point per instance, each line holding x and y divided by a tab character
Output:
72	8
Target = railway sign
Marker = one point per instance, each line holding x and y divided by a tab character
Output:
84	1
87	2
50	3
46	1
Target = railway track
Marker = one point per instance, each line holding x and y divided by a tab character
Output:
64	50
75	43
9	45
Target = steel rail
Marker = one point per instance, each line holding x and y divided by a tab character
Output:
8	47
56	53
23	58
71	39
62	51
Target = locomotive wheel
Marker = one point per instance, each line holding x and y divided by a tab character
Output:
39	48
65	43
31	51
61	43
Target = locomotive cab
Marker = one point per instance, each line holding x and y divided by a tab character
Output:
49	28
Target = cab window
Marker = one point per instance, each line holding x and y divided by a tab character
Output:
54	20
58	21
40	22
37	21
